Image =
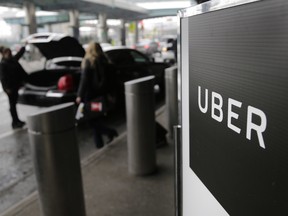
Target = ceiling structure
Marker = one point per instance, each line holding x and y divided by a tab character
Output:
115	9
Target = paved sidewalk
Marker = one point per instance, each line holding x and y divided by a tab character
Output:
111	191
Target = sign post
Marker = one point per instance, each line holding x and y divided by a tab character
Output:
234	108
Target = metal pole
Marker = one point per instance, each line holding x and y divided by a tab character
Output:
56	161
140	112
171	98
178	171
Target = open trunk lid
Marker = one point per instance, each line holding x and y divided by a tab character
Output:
54	45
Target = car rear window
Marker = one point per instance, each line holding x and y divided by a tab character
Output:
126	57
120	57
138	57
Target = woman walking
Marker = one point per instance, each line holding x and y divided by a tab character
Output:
94	83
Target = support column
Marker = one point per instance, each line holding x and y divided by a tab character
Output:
30	10
74	23
136	39
49	27
102	28
123	33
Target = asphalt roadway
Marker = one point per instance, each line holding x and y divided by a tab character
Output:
108	187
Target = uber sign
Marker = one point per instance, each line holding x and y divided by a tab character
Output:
238	105
217	107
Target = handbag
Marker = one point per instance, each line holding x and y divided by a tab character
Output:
96	107
92	109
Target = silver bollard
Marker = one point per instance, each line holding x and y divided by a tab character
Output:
56	161
171	98
140	112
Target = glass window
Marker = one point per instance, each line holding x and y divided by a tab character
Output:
120	57
138	57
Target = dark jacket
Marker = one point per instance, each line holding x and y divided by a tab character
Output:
12	73
93	82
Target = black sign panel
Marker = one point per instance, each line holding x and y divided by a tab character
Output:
238	87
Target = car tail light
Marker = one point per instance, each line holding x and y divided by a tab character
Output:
65	83
146	46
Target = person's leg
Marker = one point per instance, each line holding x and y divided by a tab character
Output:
97	133
13	97
111	133
99	129
98	140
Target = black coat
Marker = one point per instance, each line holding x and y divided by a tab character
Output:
12	74
93	82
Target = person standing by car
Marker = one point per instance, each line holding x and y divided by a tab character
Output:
12	76
94	83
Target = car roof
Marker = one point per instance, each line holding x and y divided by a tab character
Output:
105	49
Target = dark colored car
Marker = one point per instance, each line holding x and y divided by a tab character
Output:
59	77
58	81
131	64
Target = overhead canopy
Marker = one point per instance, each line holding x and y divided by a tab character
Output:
115	9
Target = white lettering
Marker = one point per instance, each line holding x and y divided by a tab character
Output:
217	114
258	128
205	108
231	114
215	106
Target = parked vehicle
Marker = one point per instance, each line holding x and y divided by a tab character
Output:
131	64
58	81
167	49
63	55
148	47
